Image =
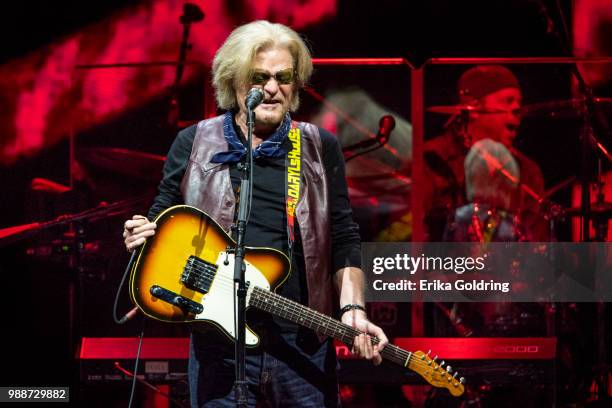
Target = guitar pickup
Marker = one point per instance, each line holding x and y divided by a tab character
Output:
185	304
198	274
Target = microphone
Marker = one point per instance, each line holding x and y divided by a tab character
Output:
191	14
129	315
385	125
254	98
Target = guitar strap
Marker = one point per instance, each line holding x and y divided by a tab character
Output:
293	182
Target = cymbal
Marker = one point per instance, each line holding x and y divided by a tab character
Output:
568	108
604	210
18	229
459	109
140	165
102	211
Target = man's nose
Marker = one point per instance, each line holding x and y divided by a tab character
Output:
271	87
516	105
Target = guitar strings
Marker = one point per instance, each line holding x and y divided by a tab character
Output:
295	308
391	351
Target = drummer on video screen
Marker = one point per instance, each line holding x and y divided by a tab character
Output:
490	100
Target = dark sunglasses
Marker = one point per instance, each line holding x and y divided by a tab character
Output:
283	77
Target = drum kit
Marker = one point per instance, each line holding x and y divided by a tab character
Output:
138	173
591	220
600	210
515	319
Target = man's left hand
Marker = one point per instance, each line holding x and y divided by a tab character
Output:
362	344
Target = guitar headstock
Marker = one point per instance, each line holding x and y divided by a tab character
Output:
436	374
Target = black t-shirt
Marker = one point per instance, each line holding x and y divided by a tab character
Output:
267	225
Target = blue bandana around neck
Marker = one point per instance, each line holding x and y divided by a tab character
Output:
269	148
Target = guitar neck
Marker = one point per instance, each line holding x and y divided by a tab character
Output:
304	316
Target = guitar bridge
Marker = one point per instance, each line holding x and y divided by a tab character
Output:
185	304
198	274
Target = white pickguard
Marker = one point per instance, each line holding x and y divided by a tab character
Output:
219	301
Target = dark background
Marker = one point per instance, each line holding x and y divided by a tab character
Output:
40	288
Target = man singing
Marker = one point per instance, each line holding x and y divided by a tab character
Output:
292	366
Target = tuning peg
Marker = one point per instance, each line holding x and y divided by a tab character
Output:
433	361
449	377
456	384
449	369
462	380
426	355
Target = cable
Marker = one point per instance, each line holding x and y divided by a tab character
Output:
136	364
125	275
363	152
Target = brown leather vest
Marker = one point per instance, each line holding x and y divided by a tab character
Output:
208	187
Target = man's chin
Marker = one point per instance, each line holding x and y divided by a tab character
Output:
508	140
267	118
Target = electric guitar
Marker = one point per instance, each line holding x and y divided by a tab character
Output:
184	273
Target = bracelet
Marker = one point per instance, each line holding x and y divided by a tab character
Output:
348	307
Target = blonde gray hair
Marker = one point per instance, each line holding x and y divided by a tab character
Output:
233	61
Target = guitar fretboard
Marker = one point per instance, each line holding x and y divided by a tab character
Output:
304	316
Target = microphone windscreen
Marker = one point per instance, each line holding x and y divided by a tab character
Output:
254	98
386	124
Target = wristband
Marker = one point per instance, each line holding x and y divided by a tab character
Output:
348	307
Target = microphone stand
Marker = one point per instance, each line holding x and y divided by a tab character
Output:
381	139
244	209
191	14
591	112
361	145
589	143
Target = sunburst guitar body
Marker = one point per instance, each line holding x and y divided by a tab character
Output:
184	273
